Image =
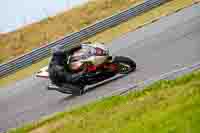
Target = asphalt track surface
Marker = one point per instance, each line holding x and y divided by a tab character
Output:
170	43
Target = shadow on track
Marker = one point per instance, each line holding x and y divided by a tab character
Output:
92	87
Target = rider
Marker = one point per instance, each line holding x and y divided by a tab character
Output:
59	71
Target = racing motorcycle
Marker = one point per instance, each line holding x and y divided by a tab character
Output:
98	65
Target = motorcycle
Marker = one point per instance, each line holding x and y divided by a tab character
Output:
98	65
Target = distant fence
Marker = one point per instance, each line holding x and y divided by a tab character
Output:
42	52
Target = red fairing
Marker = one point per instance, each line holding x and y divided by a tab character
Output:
92	68
112	67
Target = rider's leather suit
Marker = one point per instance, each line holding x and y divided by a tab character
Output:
59	72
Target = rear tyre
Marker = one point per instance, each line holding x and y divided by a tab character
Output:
125	64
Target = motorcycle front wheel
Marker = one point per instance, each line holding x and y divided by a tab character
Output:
125	64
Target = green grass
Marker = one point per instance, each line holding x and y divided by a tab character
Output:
163	107
105	36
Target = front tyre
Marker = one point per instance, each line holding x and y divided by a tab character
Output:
125	64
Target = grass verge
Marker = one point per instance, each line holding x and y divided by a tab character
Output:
163	107
110	34
37	34
21	74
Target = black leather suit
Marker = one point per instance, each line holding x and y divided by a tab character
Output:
59	72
